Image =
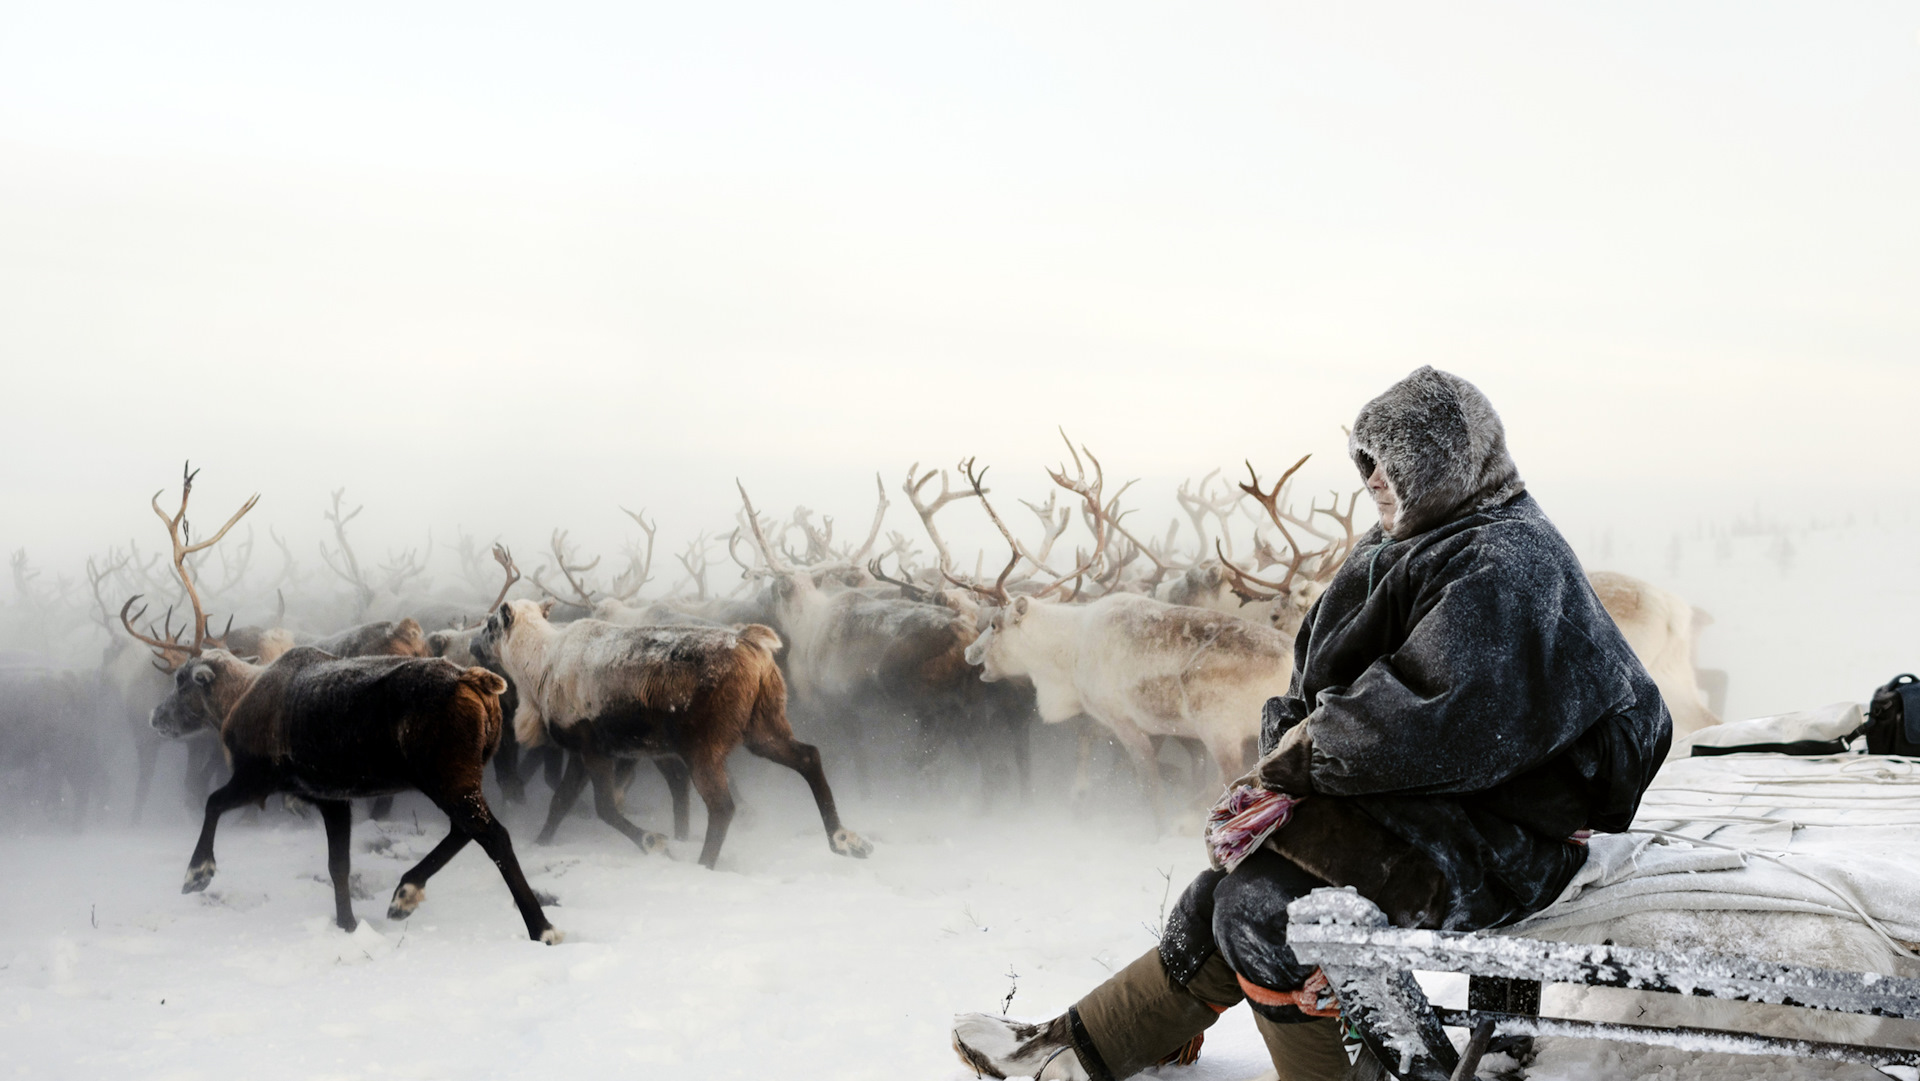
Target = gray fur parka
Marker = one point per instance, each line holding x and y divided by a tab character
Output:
1459	684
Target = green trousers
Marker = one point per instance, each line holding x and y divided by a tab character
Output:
1138	1017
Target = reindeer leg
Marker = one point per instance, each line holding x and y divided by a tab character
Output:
601	769
506	768
1021	736
565	793
804	759
710	778
1139	747
674	769
1083	759
201	763
622	780
467	809
338	817
249	784
413	885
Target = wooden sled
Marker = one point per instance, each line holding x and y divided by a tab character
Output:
1370	967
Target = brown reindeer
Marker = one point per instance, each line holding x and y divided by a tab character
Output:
330	730
608	692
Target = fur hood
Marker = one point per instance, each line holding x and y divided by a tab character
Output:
1442	446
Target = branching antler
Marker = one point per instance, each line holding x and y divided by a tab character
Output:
695	562
1251	589
998	593
1338	551
171	650
288	575
97	577
926	510
1198	505
1053	523
907	588
563	559
1091	493
504	557
639	568
347	567
408	564
873	534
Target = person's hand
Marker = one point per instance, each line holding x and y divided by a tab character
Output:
1287	767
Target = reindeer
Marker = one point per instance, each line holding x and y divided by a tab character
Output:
855	656
1660	628
607	692
48	725
329	730
1139	667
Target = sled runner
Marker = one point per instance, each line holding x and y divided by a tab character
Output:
1370	967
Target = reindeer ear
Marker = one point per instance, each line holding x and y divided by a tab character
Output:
506	617
203	676
1020	606
546	608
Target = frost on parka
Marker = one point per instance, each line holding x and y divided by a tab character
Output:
1459	681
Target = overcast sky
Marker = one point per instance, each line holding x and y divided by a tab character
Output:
511	266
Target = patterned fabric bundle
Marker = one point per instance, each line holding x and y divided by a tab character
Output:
1244	818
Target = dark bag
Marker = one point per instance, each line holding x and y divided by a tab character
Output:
1893	718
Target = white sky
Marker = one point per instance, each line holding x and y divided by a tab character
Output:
510	266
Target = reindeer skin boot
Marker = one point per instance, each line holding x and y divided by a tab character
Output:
1307	1051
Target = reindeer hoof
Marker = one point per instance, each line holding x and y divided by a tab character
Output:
348	924
848	843
405	900
197	877
553	936
653	842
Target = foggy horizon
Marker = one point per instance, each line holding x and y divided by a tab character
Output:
512	275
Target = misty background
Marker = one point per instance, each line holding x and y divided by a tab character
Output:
508	270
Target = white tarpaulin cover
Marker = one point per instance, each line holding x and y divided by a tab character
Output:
1836	835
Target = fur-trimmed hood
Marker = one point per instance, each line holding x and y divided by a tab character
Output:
1442	447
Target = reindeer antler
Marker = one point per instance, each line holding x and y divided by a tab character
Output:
582	596
639	571
907	589
1090	493
926	511
998	593
504	556
774	563
177	530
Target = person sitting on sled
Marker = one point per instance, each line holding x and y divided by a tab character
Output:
1462	712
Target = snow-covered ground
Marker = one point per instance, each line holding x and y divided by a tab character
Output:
786	962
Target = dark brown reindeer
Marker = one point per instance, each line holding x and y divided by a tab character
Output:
330	730
608	692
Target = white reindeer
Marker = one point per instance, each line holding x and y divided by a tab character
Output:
1659	626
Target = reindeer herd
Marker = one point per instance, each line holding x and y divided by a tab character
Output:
1140	640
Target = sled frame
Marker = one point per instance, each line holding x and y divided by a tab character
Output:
1370	967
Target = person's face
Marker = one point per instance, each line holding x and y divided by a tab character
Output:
1383	497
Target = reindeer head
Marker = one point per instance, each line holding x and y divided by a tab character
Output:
205	688
997	650
491	643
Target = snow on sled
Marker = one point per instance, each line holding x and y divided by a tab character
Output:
1748	878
